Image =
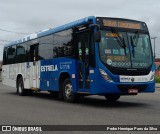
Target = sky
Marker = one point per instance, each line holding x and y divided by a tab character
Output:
29	16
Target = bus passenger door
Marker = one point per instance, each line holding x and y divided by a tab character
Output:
82	44
34	73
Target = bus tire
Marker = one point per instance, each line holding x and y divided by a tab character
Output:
20	87
112	98
68	94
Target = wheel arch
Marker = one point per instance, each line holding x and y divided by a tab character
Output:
62	77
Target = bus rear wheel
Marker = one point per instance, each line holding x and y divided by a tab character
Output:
112	98
68	94
20	87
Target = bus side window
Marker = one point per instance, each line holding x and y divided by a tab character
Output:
5	56
34	56
46	48
63	44
21	54
11	52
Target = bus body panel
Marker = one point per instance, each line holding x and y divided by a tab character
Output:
11	72
29	73
105	87
142	83
52	69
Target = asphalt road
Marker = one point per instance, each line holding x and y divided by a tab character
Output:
43	109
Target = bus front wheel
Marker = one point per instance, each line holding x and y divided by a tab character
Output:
68	94
112	98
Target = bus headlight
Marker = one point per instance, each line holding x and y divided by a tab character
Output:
152	76
105	75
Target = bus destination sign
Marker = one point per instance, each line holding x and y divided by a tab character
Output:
120	23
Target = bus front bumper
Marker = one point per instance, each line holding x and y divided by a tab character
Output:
124	88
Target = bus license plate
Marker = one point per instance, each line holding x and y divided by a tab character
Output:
132	91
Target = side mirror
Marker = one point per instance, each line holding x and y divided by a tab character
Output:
97	36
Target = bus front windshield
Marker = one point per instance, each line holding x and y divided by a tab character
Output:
125	49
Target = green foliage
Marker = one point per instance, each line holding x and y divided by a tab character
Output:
157	79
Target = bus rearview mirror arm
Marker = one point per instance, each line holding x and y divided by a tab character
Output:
97	34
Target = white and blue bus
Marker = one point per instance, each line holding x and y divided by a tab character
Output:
103	56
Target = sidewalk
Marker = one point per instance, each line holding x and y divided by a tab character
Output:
157	85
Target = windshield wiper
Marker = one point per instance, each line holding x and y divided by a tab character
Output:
134	42
135	38
119	39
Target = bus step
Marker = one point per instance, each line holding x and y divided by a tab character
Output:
34	89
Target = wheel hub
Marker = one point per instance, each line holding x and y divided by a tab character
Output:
68	90
20	88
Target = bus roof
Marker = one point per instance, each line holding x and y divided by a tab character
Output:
52	30
58	29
